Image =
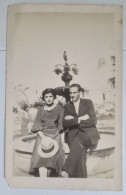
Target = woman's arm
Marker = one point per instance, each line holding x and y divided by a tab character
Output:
37	126
60	118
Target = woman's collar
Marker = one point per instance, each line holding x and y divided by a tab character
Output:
50	108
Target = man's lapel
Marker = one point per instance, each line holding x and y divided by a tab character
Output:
81	108
72	109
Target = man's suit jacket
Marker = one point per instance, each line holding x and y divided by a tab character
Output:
88	126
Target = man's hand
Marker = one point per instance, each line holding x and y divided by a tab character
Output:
68	117
84	117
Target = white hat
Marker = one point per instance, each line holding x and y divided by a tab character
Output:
48	147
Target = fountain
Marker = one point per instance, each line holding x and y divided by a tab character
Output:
100	162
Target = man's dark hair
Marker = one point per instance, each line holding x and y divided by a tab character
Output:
48	90
78	86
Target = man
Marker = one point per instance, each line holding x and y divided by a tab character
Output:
80	120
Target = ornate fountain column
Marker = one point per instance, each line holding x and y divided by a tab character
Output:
65	70
66	77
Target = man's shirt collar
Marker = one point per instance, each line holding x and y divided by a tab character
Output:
76	104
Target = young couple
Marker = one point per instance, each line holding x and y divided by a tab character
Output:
79	119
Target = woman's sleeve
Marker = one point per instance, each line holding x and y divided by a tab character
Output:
60	118
37	126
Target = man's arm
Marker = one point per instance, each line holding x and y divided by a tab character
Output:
67	122
92	116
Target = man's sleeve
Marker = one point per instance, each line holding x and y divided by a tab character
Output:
70	122
92	116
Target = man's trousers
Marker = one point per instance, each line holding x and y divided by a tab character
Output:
75	164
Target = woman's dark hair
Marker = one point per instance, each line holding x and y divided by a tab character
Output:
80	89
48	90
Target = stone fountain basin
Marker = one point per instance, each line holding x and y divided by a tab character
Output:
100	162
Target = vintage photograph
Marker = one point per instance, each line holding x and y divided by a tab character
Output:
63	97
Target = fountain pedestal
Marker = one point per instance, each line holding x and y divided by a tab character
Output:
100	163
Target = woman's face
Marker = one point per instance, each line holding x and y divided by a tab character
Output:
49	98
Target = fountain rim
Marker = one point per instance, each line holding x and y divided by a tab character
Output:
27	148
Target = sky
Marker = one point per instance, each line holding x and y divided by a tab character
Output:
41	38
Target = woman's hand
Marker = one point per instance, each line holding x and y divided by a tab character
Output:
40	133
68	117
52	136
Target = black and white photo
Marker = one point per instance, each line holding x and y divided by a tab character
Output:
63	97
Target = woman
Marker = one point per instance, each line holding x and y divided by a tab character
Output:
48	122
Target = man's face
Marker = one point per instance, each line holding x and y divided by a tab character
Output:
74	94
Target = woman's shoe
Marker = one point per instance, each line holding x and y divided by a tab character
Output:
64	174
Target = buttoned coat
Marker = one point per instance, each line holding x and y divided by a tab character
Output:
88	126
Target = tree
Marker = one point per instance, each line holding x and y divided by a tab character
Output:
111	80
102	62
